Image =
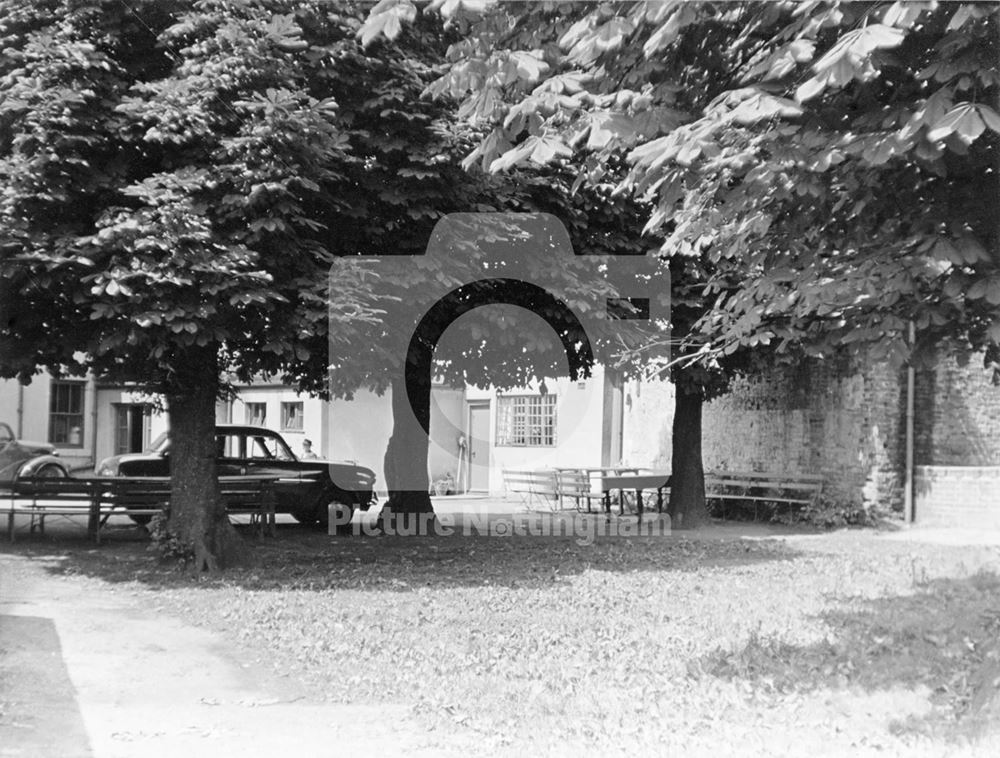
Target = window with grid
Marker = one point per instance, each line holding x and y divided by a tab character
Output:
66	414
291	417
526	420
256	414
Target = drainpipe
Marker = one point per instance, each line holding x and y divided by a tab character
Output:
93	422
908	480
20	410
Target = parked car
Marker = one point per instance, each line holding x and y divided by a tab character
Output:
304	489
19	458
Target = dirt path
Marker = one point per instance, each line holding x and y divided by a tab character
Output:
94	673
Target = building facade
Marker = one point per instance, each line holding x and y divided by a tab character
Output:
84	419
475	433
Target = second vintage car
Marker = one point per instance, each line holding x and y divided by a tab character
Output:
20	459
304	488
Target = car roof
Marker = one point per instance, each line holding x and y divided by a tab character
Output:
244	429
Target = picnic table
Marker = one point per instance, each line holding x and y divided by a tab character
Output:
634	482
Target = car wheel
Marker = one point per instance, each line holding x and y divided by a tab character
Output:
344	510
141	519
51	471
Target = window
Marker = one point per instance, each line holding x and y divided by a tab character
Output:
66	414
291	417
257	414
526	420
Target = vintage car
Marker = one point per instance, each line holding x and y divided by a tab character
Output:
19	459
305	488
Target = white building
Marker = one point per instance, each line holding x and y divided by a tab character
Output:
475	433
84	419
569	424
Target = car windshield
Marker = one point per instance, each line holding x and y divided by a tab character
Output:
237	445
272	448
160	444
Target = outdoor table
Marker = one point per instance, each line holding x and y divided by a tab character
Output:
602	470
657	480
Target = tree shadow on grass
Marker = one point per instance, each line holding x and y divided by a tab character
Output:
945	638
301	558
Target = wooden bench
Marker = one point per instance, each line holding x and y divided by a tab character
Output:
98	499
794	490
576	484
532	484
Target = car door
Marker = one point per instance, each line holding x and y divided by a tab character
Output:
230	454
267	455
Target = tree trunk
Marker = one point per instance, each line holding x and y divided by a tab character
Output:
197	515
687	482
409	508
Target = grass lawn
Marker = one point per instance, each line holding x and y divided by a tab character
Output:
838	644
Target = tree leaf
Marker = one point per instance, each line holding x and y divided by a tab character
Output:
964	120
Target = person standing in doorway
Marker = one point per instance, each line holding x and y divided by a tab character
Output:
307	451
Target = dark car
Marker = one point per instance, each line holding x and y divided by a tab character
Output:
304	488
19	458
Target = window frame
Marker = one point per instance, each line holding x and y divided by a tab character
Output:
248	416
300	415
80	415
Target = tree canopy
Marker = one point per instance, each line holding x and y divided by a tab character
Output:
178	178
833	163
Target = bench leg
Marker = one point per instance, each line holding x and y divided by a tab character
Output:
607	505
10	525
659	499
94	521
638	504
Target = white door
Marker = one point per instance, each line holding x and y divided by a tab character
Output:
479	448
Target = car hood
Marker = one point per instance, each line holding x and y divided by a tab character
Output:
117	460
38	448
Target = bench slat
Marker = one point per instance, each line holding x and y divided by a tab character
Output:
763	487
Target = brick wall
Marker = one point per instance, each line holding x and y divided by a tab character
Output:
844	421
967	496
958	418
815	418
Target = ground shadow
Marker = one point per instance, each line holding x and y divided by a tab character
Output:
39	714
302	558
945	637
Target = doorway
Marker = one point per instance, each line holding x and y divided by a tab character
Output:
131	427
479	447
